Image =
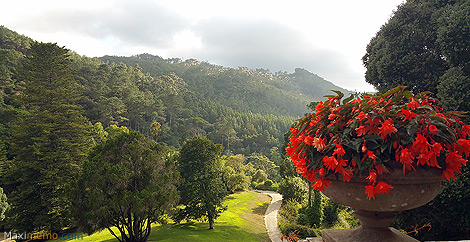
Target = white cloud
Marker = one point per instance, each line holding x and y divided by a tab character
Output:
325	37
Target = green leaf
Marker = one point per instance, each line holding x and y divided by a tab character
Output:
346	100
340	94
408	94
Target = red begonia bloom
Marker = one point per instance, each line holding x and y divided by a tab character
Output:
320	184
387	129
372	176
319	143
377	130
339	151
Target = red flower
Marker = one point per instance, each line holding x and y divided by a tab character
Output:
371	155
413	104
382	188
319	144
462	146
432	129
339	151
408	114
330	162
372	177
308	140
332	116
387	129
370	191
319	106
320	184
421	145
406	159
361	130
361	116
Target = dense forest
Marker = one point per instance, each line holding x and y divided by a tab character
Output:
247	111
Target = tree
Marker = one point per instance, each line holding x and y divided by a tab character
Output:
419	44
49	142
202	189
126	183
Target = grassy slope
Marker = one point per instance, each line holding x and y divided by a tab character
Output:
242	221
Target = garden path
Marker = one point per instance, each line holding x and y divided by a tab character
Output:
270	217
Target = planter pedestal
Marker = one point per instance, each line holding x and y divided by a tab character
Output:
374	227
409	191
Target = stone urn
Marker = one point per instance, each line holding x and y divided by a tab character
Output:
409	191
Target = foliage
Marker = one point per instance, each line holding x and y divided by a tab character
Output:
49	141
420	43
371	134
293	188
268	183
202	189
126	183
303	230
331	210
4	206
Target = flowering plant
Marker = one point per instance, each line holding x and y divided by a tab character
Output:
370	135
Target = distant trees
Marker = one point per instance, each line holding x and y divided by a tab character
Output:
202	189
126	183
49	142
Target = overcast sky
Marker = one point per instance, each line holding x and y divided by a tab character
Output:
326	37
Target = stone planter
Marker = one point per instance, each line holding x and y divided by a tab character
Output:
409	191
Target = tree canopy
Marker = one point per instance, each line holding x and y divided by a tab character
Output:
202	189
49	141
126	183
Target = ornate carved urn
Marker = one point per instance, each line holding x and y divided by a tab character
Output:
409	191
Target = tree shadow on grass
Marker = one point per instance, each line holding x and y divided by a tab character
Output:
261	208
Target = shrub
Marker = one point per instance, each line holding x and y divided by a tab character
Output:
304	231
330	211
268	183
293	188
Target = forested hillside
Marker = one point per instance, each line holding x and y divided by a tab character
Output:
247	111
258	90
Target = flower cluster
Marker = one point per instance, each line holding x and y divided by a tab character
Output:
368	135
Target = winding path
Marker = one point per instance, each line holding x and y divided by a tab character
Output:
270	217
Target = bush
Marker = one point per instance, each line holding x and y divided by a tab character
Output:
293	188
268	183
330	210
304	231
290	210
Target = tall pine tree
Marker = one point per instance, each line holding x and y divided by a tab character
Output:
49	142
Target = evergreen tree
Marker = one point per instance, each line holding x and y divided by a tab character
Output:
49	142
202	190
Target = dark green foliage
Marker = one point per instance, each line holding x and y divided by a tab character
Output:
331	211
126	183
304	231
202	189
293	188
287	169
312	215
49	142
268	183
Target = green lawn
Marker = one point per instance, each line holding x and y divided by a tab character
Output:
242	221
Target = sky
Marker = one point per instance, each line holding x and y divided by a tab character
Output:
327	37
